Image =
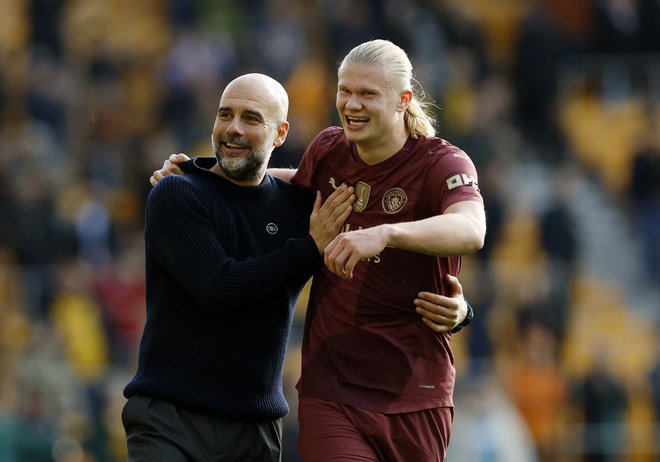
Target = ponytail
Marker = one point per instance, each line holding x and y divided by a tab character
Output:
418	119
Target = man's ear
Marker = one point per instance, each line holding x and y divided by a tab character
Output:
282	131
404	102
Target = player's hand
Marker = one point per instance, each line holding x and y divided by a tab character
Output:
170	167
326	220
442	313
347	249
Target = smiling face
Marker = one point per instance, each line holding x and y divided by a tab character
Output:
250	123
371	106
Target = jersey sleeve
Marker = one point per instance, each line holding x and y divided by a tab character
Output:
455	179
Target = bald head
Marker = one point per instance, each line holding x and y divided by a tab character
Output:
264	91
250	123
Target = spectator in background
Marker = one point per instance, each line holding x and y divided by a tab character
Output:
538	387
487	411
604	405
617	26
654	382
649	17
559	241
645	195
537	60
36	228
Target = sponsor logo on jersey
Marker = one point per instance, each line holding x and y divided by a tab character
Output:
461	179
394	200
271	228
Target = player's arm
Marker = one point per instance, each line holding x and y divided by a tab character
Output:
283	173
171	167
460	230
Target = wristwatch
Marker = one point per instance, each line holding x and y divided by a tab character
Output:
468	319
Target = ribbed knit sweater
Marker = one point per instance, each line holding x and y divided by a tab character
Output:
224	267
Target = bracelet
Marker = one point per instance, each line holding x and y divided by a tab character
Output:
468	319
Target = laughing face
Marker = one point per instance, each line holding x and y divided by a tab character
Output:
239	158
247	128
370	105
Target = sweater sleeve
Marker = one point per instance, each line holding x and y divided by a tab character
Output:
179	234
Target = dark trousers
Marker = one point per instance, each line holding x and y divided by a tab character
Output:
158	431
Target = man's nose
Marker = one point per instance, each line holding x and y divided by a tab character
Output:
235	127
353	102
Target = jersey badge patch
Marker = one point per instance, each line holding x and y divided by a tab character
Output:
362	191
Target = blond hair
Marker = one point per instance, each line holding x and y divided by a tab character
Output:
418	117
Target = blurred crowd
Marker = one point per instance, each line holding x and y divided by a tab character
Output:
555	100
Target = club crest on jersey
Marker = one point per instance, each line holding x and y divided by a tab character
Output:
362	191
271	228
394	200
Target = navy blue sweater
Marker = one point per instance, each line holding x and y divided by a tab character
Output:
224	267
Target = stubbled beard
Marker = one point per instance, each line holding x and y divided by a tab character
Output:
247	168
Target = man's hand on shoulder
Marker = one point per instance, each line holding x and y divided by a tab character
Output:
170	167
326	220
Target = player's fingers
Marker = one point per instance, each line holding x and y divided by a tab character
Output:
339	196
429	300
317	202
162	173
334	261
350	266
178	158
329	259
456	288
344	195
328	254
341	218
171	167
435	327
432	315
439	309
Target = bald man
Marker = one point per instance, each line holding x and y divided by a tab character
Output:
228	249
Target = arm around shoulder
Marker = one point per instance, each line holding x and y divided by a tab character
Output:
286	174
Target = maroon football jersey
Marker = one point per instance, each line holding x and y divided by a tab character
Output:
364	344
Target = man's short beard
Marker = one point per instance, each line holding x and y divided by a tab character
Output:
249	168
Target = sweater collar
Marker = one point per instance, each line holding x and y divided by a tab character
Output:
202	165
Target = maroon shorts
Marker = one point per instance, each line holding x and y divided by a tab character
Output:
336	432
